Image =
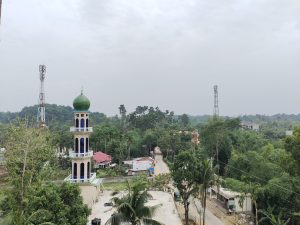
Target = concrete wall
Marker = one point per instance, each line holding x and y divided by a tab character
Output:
247	206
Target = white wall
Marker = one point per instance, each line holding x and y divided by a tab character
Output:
247	206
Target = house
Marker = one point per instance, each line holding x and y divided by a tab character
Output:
250	126
102	160
232	201
139	164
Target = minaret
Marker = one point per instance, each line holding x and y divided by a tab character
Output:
81	155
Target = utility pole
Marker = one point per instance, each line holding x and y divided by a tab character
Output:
0	9
41	108
216	102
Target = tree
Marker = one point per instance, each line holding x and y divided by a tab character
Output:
123	111
184	119
216	139
273	219
205	178
184	173
32	200
292	145
27	152
131	208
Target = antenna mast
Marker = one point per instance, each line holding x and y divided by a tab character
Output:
0	9
216	102
41	108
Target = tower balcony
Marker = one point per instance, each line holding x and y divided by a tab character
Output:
81	180
81	129
73	154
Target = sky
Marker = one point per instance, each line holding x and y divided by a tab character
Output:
165	53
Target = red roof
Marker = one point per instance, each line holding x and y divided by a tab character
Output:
101	157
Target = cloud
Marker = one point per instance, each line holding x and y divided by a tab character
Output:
160	52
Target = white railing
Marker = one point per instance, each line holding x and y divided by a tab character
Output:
81	129
81	180
73	154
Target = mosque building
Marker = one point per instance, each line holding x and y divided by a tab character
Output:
81	155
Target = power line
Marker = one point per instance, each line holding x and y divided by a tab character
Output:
261	179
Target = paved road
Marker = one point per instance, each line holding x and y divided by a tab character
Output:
160	166
211	219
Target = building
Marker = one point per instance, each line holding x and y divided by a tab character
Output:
138	165
2	160
81	155
231	200
250	126
102	160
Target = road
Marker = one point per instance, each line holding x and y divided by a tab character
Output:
160	168
210	218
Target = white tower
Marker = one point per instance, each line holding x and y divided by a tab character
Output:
81	155
41	108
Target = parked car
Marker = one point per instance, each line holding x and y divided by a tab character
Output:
108	204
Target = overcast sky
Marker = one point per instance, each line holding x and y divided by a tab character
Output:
166	53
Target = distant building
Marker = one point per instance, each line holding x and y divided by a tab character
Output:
288	133
2	161
102	160
250	126
139	164
231	200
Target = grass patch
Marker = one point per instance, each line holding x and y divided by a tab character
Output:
115	186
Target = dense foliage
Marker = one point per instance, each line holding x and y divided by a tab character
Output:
31	199
264	163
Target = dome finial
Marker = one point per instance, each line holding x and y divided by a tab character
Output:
81	89
81	103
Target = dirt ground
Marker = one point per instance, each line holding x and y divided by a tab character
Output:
166	214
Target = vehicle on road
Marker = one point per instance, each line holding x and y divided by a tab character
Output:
108	204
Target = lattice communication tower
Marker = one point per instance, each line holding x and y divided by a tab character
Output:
216	101
41	105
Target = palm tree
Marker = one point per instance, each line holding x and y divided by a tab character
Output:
131	208
274	220
205	179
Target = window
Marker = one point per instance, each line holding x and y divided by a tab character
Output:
82	171
82	123
87	145
88	170
81	145
75	171
76	145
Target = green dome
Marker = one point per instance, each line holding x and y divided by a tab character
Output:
81	103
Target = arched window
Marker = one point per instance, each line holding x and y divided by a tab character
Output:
75	171
76	145
87	145
82	123
87	123
88	170
77	123
82	171
81	145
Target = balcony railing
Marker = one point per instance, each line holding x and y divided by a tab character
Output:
81	180
81	129
73	154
